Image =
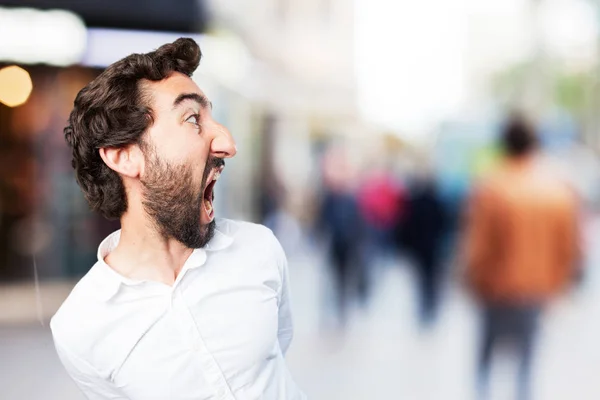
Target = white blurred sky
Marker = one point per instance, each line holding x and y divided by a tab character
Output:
417	61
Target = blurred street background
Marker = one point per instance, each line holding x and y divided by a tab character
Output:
362	128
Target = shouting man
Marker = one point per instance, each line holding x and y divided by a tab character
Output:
179	305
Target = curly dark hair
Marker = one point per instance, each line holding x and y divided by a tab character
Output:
113	111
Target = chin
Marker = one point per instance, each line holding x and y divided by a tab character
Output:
201	237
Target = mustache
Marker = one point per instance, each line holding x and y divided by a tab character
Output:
212	163
215	162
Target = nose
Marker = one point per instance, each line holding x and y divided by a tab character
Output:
223	144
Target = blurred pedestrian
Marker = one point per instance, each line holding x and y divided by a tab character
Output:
340	222
381	200
521	248
421	233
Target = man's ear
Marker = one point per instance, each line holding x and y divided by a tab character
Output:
124	160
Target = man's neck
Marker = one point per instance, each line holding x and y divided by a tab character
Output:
143	254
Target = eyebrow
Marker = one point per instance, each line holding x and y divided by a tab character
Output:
198	98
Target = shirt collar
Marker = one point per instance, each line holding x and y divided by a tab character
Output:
108	281
219	241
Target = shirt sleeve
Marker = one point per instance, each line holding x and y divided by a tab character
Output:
89	381
285	331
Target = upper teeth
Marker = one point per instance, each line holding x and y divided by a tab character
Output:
216	175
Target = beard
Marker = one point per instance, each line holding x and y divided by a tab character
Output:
172	203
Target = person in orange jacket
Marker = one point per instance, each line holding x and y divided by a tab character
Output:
521	247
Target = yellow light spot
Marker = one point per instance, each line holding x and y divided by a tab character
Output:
15	86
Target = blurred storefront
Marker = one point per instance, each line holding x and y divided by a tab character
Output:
46	227
278	86
43	214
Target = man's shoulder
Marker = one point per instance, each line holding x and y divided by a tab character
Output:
78	307
253	237
245	230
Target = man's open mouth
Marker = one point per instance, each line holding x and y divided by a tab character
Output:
209	194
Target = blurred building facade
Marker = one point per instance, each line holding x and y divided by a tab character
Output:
301	82
46	229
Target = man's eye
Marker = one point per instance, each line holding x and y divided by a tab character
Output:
194	119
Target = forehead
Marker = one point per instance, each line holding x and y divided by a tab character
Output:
164	92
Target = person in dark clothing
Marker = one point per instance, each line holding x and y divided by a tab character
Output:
421	236
340	220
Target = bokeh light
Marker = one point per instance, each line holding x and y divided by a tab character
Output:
15	86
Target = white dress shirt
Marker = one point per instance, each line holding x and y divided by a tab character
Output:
220	332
